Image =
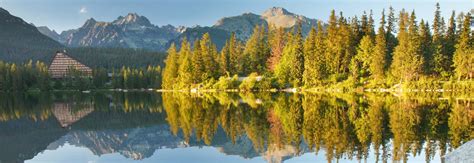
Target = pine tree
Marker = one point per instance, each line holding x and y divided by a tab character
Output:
209	56
464	54
441	61
291	67
197	63
257	50
171	68
407	60
277	43
426	46
391	40
315	61
310	75
378	59
298	69
185	70
450	38
332	54
362	61
224	58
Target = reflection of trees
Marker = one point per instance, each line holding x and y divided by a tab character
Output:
277	125
460	122
345	126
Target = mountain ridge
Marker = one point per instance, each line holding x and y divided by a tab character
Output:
136	31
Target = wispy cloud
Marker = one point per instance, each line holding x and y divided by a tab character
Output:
83	10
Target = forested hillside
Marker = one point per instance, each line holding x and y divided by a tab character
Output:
21	41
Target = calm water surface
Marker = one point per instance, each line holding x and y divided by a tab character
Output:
220	127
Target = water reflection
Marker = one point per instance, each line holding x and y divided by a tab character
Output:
273	126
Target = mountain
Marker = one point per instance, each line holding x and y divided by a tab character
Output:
241	25
218	36
50	33
130	31
135	31
21	41
280	17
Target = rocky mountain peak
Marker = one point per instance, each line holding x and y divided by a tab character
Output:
90	22
276	11
132	18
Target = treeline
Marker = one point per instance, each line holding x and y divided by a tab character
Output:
29	76
346	52
129	78
20	77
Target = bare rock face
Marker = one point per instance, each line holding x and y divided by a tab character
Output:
130	31
135	31
280	17
241	25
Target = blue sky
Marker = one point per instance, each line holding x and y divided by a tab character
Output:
67	14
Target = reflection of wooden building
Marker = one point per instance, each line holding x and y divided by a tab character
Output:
66	115
62	65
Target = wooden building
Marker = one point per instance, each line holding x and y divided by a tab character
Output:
62	64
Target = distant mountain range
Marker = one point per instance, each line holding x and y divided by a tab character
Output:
135	31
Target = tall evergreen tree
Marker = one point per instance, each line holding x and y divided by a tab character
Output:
197	62
185	69
407	58
426	46
291	68
362	61
257	50
441	60
277	42
171	68
391	39
379	58
315	62
464	54
209	56
450	37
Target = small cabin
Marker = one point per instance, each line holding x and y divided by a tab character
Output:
62	64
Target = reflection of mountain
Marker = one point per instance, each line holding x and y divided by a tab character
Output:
23	139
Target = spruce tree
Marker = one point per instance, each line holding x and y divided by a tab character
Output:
291	68
391	39
171	68
209	56
277	42
362	61
450	38
407	60
185	70
257	50
440	62
426	47
310	59
197	63
464	54
379	57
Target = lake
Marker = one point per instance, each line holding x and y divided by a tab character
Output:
231	127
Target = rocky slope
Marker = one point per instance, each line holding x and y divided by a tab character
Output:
130	31
135	31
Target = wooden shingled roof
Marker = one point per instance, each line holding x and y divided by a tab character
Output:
62	64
